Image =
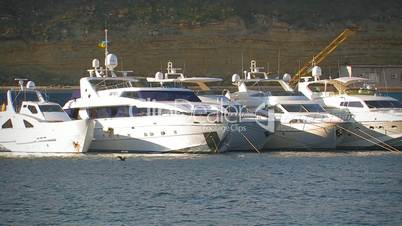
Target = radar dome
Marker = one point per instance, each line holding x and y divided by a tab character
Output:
286	77
95	63
31	85
235	78
111	61
316	72
159	75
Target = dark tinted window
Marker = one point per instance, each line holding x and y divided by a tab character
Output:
277	109
286	93
124	111
18	97
313	108
150	111
7	124
27	124
355	104
320	87
32	109
294	108
109	112
50	108
383	104
163	95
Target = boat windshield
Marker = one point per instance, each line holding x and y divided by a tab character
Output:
303	108
320	87
265	85
116	84
128	111
360	91
162	95
383	104
286	93
50	108
313	108
19	96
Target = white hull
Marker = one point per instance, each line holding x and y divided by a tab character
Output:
245	136
302	136
48	137
366	135
156	134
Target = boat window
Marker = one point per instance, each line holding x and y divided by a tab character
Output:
277	109
383	104
343	104
286	93
313	108
273	86
32	109
235	108
259	94
320	87
7	125
303	108
294	108
355	104
115	84
151	111
19	96
133	95
50	108
162	95
27	124
110	112
127	111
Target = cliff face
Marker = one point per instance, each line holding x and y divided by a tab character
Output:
53	42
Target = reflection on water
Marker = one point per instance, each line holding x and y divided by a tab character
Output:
284	188
89	156
166	156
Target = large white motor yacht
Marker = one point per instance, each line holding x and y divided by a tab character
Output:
31	124
300	124
130	117
246	131
371	121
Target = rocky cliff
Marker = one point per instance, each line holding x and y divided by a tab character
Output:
53	42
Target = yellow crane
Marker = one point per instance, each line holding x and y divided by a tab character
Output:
322	55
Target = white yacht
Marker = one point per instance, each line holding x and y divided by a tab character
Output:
371	121
31	124
131	117
246	131
300	124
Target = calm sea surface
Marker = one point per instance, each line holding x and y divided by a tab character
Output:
359	188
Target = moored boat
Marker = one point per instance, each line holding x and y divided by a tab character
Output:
33	125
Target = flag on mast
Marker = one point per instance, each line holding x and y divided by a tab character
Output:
102	44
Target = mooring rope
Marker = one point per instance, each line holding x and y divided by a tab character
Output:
370	141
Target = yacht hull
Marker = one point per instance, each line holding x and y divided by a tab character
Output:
302	136
369	135
48	137
160	135
245	136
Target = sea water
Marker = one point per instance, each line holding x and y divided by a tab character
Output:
356	188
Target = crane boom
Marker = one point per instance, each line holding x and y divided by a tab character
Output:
322	55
